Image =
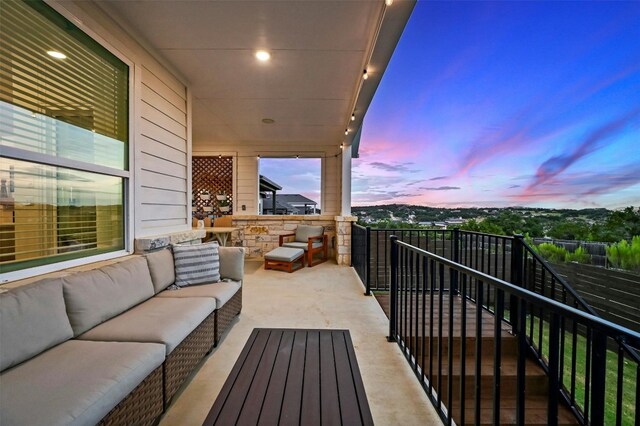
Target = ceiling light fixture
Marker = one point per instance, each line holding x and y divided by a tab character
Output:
263	55
365	75
268	120
56	54
388	2
353	117
297	156
258	156
346	131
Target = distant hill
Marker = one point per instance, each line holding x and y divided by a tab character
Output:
567	224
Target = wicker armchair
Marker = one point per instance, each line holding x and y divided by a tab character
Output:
311	239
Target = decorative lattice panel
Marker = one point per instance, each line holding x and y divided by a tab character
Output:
212	174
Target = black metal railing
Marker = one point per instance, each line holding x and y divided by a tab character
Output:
436	241
439	317
361	254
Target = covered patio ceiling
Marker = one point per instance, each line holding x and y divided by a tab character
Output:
310	86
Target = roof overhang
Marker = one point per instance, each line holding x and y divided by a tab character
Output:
310	87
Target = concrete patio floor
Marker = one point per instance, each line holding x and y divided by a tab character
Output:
325	296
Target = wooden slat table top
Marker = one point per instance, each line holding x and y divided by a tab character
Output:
293	377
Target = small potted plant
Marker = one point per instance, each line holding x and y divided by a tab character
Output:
221	196
205	195
224	206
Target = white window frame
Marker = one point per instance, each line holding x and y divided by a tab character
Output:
127	201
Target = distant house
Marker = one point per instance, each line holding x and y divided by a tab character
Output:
286	204
289	204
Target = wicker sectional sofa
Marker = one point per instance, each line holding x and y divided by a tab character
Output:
111	345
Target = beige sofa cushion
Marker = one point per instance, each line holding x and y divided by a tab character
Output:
93	297
75	383
32	319
221	292
304	232
158	320
303	246
232	263
162	270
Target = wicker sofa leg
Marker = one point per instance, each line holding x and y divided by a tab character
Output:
181	362
226	314
142	406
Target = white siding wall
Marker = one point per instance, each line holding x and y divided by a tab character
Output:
163	159
160	195
246	173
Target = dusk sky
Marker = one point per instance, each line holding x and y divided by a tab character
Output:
507	103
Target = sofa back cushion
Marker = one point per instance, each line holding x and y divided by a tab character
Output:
32	319
232	263
162	270
93	297
304	232
196	264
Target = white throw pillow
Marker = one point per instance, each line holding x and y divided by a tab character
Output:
196	264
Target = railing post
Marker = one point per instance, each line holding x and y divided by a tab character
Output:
456	256
368	261
393	291
517	269
598	374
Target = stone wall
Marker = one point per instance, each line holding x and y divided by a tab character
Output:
259	234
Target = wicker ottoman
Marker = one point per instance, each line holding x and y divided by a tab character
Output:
284	259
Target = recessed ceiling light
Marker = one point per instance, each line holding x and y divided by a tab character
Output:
388	2
263	55
56	54
268	120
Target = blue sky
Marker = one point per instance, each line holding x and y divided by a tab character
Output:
507	103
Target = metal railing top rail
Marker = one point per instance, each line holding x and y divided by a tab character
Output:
504	237
594	321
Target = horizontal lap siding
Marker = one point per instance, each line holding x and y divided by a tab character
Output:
163	157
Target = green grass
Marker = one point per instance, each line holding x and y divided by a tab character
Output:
629	375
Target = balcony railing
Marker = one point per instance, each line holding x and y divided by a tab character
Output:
591	365
426	312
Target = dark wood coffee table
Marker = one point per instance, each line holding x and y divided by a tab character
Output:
293	377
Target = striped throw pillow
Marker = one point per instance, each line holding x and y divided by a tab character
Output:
196	264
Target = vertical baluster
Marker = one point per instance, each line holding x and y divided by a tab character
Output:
432	286
541	318
463	348
478	366
619	389
637	422
521	362
368	259
497	356
562	349
599	372
425	281
386	255
440	339
453	283
587	379
404	253
410	306
574	350
504	259
393	293
554	349
416	293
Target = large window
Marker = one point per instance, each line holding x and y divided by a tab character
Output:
63	140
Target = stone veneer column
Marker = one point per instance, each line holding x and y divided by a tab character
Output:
343	240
